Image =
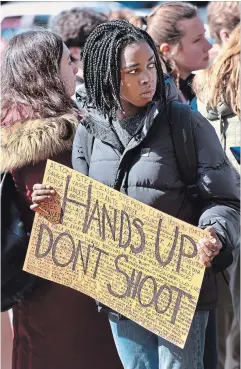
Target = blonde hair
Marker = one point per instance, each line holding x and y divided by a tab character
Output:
221	82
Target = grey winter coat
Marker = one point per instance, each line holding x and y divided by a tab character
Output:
154	179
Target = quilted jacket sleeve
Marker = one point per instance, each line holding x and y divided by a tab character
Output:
78	158
217	185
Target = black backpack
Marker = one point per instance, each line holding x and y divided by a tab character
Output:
15	283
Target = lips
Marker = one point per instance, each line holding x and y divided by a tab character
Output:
148	93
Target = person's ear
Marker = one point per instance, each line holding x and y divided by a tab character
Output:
165	49
224	35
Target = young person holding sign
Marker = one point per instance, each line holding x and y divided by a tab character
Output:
125	142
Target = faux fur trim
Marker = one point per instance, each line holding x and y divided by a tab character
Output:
32	141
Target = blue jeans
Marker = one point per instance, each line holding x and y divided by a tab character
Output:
210	359
138	348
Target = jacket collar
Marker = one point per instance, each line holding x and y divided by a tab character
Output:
186	87
101	128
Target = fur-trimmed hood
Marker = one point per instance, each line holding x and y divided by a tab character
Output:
32	141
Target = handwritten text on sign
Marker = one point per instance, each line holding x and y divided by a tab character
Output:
129	256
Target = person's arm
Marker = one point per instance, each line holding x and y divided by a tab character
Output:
78	158
42	192
217	187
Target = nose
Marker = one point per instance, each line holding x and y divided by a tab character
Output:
75	68
208	45
144	77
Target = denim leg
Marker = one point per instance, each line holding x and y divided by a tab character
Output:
191	357
210	359
136	346
234	283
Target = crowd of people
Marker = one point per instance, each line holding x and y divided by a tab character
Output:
102	79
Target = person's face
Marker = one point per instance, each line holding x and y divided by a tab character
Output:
192	53
75	54
138	76
68	71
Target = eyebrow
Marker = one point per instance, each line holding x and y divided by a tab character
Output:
136	65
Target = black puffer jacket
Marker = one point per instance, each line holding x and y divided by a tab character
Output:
159	185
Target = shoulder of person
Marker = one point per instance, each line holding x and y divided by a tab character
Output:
34	140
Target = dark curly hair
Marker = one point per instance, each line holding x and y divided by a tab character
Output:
30	82
75	25
101	58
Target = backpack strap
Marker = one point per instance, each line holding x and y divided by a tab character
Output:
183	142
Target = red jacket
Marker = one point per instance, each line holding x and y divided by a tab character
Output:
55	327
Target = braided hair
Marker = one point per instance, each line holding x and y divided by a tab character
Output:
101	59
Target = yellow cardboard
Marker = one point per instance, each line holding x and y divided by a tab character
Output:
137	260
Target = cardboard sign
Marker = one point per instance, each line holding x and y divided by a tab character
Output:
137	260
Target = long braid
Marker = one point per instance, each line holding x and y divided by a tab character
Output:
101	59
